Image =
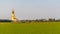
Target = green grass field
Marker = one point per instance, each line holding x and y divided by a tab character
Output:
30	28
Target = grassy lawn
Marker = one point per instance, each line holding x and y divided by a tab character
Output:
30	28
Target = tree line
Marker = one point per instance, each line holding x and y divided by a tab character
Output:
41	20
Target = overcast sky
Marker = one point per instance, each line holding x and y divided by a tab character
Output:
30	9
